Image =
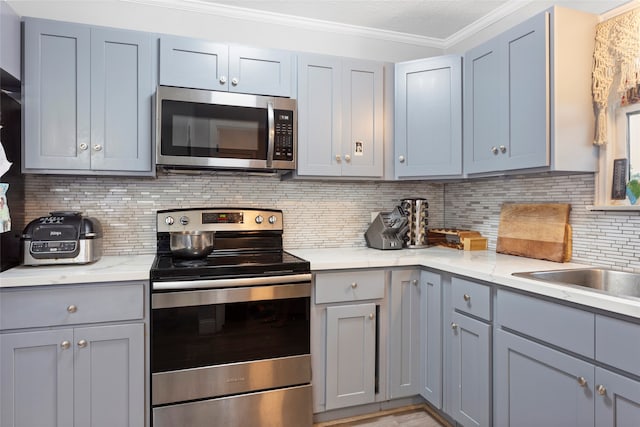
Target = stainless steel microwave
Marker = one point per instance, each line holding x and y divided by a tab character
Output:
201	129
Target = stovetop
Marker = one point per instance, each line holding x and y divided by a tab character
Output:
228	265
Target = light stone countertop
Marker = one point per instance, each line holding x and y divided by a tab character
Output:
480	265
106	269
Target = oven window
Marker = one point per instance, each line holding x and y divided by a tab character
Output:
189	337
206	130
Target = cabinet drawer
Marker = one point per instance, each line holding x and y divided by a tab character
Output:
51	306
349	286
618	343
471	297
565	327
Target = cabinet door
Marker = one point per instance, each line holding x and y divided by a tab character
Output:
431	338
260	71
484	113
37	379
538	386
109	376
351	355
319	115
121	92
428	117
471	372
404	333
617	400
526	61
192	63
56	95
362	137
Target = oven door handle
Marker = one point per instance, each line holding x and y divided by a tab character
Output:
230	295
228	283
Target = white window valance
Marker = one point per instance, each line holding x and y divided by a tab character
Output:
616	52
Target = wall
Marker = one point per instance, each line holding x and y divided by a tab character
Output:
599	238
317	214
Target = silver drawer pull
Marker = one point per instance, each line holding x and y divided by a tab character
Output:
415	282
82	343
582	381
354	285
65	345
454	326
72	308
466	297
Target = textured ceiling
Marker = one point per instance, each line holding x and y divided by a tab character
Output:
438	19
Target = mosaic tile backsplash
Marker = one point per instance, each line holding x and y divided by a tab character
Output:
317	214
321	214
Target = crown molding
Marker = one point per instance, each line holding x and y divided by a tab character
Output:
619	10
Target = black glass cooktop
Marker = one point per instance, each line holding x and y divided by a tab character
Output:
228	265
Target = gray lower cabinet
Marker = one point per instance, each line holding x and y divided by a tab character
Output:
87	99
63	365
203	64
428	117
340	117
351	355
430	371
617	400
469	333
405	329
537	386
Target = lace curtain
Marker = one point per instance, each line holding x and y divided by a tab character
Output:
617	52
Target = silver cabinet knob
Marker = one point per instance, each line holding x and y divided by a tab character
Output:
371	316
169	220
495	150
72	308
454	326
354	285
235	81
82	343
602	390
97	147
338	158
466	297
65	345
582	381
83	146
223	79
401	159
347	157
414	282
503	149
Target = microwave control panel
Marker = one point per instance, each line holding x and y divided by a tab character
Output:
283	143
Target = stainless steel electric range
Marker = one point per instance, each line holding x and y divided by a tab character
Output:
230	331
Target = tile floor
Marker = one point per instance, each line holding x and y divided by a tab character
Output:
402	417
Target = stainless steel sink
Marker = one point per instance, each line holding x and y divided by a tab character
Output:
612	282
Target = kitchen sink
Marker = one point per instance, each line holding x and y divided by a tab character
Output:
612	282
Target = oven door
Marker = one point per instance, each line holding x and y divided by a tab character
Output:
217	342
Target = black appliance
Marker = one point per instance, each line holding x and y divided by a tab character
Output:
230	331
63	237
10	136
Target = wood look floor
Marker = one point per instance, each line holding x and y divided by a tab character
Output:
415	416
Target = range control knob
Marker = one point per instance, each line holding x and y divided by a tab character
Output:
273	219
259	219
169	220
184	220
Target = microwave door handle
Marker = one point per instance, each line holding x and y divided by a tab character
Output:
271	135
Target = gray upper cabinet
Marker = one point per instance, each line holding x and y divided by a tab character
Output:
527	100
340	117
9	40
428	117
201	64
87	99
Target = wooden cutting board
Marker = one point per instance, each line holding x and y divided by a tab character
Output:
540	231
